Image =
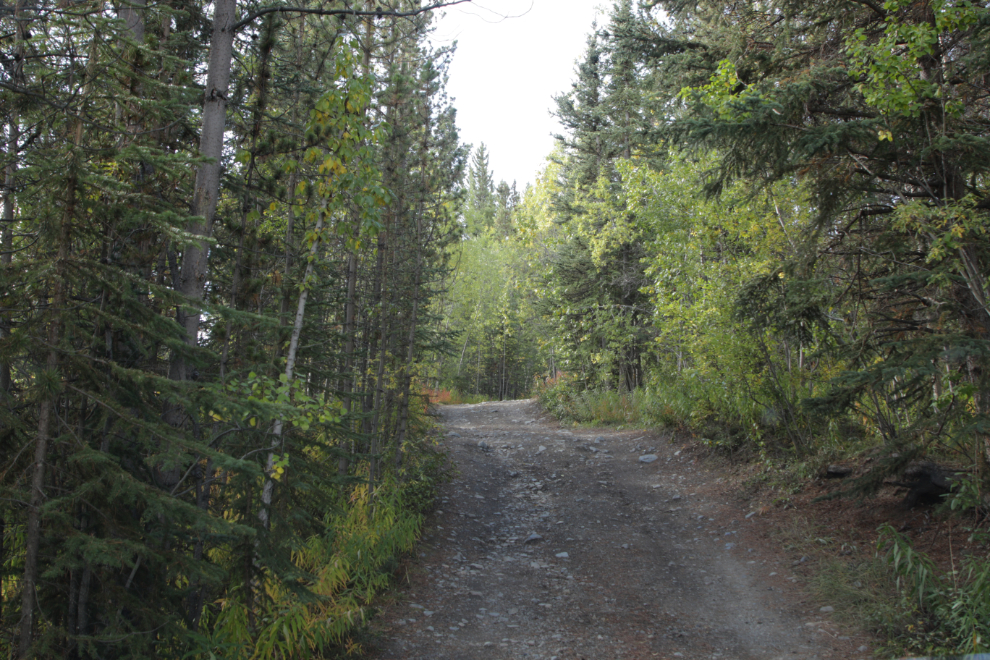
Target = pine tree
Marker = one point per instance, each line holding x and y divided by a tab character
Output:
582	114
179	382
506	200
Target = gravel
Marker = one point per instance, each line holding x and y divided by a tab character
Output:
494	576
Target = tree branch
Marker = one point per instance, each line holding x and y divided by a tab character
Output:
874	6
341	12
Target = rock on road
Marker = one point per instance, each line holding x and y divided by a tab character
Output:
556	543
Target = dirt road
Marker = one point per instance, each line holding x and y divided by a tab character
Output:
595	544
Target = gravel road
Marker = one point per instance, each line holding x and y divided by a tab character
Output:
595	544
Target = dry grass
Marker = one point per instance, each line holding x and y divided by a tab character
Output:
452	397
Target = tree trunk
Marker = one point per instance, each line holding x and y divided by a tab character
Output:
378	344
7	242
261	98
349	330
290	364
10	181
33	533
418	248
192	277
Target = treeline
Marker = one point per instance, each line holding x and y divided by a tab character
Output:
774	218
488	305
768	223
224	227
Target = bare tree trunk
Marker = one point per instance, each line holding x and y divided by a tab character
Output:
349	329
6	256
502	385
7	242
291	212
379	344
192	277
10	181
410	355
413	317
33	534
82	617
261	99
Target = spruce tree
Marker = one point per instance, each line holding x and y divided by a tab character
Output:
479	213
192	308
598	274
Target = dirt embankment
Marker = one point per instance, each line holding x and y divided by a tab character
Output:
591	543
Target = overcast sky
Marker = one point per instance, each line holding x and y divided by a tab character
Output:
506	72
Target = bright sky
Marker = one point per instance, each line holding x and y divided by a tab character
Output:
506	72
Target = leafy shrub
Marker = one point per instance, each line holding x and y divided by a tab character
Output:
340	571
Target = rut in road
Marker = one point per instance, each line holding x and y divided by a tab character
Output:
556	543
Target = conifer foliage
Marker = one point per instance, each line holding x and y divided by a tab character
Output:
223	225
767	223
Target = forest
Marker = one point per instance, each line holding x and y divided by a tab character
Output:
223	227
764	224
244	248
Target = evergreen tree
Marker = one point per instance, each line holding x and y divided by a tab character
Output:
583	116
204	387
506	201
479	214
598	275
864	103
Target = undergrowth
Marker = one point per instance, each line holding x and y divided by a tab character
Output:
896	592
952	607
721	418
341	572
454	396
864	594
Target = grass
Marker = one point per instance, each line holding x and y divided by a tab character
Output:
899	597
860	585
453	397
864	594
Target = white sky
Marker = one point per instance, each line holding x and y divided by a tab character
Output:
506	71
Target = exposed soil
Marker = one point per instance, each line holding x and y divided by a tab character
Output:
851	524
558	543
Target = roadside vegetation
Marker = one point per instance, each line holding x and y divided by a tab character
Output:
766	225
222	226
243	249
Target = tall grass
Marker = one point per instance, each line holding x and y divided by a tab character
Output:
953	606
721	414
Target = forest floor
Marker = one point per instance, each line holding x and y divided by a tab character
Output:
554	542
